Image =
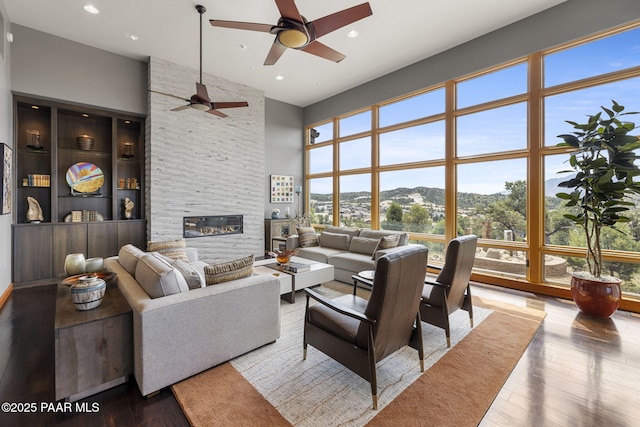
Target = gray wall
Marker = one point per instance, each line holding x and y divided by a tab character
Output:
568	21
6	132
285	150
47	66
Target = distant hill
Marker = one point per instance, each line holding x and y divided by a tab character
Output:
551	186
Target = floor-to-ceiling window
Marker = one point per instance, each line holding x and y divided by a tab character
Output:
478	155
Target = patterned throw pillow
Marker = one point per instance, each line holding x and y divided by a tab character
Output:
230	270
308	237
174	249
387	242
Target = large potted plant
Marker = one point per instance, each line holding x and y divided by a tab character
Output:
603	158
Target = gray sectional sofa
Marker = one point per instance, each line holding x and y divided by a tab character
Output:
349	250
179	335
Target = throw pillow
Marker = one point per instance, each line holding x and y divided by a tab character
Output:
174	249
191	276
307	236
350	231
128	257
363	245
230	270
157	277
387	242
334	240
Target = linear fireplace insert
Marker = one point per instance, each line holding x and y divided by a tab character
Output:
214	225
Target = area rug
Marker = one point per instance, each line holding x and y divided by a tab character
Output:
274	386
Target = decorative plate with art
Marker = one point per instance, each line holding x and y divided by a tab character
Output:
85	177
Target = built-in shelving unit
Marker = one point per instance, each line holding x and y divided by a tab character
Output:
48	151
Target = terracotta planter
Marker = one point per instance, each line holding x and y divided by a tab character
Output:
594	297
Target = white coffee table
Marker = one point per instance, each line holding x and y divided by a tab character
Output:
291	282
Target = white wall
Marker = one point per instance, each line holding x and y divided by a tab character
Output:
200	164
6	132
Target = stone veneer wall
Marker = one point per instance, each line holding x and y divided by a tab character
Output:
201	164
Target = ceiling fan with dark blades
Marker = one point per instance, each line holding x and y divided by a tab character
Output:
201	101
295	32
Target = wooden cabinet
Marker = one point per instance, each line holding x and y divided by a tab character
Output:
39	250
48	156
275	233
93	348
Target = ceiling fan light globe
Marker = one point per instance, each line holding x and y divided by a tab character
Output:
292	38
200	107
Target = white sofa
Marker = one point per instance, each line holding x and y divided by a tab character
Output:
349	250
180	335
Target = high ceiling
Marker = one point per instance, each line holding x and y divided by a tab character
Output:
398	33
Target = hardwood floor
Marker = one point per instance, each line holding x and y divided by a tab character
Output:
577	371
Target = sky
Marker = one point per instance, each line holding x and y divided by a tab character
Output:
492	131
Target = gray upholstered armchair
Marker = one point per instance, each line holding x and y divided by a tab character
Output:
359	333
451	289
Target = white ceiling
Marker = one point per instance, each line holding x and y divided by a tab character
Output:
399	33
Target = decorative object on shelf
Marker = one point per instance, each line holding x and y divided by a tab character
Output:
88	292
127	151
287	212
6	154
33	139
75	264
94	265
34	213
275	213
85	142
603	158
128	207
84	216
85	178
281	189
282	257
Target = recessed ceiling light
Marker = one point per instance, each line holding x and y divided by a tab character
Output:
91	9
243	46
353	34
85	115
35	107
279	77
133	37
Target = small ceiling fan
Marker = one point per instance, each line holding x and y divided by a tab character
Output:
201	101
295	32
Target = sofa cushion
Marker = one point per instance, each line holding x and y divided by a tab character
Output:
363	245
377	234
308	237
334	240
387	242
157	277
352	261
231	270
350	231
318	253
174	249
190	273
128	257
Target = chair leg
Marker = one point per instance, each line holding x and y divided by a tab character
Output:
372	369
469	305
420	343
445	315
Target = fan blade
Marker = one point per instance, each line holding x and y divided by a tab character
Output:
184	107
275	53
218	105
323	51
217	113
340	19
265	28
288	9
172	96
201	92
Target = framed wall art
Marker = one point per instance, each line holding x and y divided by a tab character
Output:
281	189
6	154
